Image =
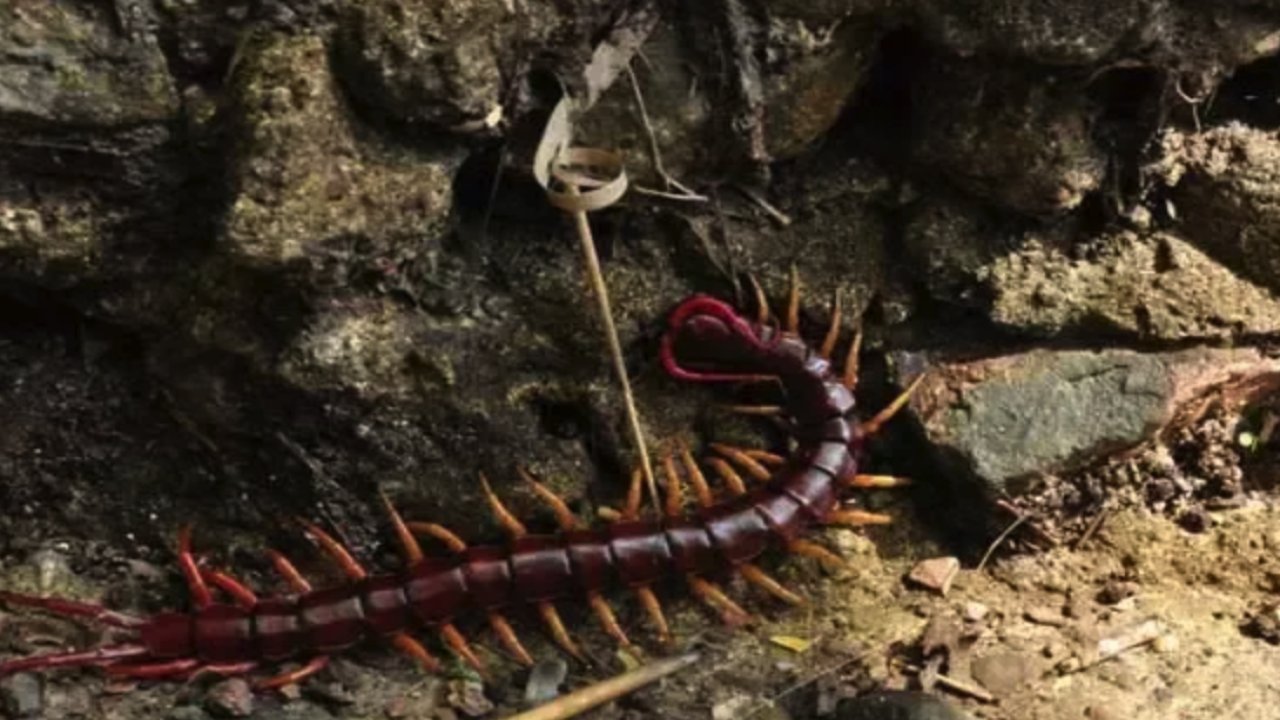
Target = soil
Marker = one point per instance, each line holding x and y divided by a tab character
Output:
1024	625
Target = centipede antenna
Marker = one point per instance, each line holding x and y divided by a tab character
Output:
72	608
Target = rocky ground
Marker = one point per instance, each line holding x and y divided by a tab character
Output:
265	259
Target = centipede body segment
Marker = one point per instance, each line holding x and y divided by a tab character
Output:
772	502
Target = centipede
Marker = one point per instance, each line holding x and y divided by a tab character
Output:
769	501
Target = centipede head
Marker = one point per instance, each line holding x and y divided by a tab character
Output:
708	341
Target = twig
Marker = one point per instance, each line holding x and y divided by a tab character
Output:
1003	536
580	701
681	196
959	686
653	146
615	347
782	218
1093	528
1037	530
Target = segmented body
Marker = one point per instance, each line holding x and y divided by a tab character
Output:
534	569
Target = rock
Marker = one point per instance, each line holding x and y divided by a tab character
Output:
897	705
1002	672
1226	190
1017	139
306	187
65	64
935	574
1144	286
975	612
1010	419
20	695
544	681
467	696
230	698
449	63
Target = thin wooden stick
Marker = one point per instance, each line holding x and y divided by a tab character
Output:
615	347
580	701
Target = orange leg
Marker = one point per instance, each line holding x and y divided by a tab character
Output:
290	573
556	626
766	458
564	516
871	426
760	579
793	304
675	496
200	595
817	552
294	677
765	410
439	532
833	331
729	475
407	645
408	543
607	619
243	596
874	481
459	645
509	639
732	614
350	566
850	378
654	608
509	522
632	510
701	490
856	518
744	460
762	304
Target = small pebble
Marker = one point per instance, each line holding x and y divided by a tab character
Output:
545	680
467	696
1115	591
20	695
1195	520
975	611
230	698
935	574
1001	672
1041	615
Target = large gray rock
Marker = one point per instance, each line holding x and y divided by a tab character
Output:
1008	420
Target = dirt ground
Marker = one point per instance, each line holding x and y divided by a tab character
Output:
1024	629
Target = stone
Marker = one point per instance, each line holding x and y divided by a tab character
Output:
64	63
1008	420
447	63
306	185
1148	287
1008	136
20	695
231	698
935	574
1225	188
1001	671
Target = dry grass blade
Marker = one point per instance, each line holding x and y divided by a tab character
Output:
580	701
